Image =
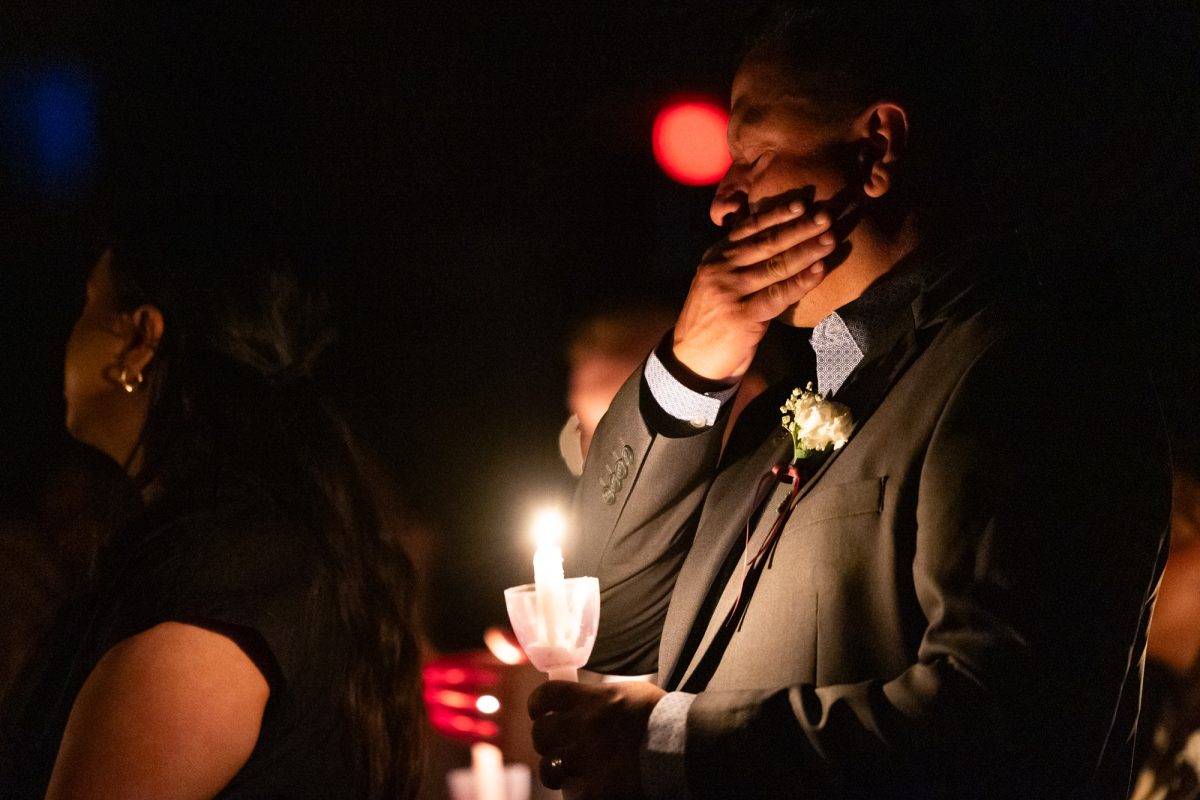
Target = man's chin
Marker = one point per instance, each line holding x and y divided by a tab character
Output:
791	316
800	315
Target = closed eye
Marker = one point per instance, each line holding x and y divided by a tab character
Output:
761	155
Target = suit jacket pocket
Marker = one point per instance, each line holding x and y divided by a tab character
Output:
840	500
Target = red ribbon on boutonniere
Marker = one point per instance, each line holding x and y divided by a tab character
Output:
798	474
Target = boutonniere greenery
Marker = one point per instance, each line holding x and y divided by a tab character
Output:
817	425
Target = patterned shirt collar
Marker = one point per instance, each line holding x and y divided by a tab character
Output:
842	339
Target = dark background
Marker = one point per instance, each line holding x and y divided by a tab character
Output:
478	176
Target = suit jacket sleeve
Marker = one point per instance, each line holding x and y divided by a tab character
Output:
1042	503
658	471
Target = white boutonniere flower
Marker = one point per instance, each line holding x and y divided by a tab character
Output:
817	425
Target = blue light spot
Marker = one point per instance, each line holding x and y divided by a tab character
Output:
51	111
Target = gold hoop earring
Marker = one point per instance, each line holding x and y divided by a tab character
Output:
130	386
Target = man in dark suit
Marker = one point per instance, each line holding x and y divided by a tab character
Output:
949	599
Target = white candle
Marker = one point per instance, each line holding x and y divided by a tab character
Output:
551	590
487	769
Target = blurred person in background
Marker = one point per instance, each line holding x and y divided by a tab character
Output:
249	633
605	348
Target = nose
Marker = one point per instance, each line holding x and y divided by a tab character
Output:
730	200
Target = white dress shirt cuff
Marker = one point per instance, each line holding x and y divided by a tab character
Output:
695	408
662	767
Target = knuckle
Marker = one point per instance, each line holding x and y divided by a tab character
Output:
728	252
741	284
706	273
765	249
776	266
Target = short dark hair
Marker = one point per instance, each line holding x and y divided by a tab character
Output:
844	55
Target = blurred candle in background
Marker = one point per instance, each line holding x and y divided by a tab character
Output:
487	768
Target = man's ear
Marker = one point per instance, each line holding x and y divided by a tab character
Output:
882	131
145	332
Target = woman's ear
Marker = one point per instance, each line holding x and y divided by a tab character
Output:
145	332
883	134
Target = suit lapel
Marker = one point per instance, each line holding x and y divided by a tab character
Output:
728	506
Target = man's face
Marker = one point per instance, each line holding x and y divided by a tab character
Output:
781	147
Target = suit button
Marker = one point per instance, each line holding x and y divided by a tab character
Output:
614	484
609	497
627	454
622	470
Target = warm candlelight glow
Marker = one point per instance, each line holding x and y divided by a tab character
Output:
487	704
502	648
549	524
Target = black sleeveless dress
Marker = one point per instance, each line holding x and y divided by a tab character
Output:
233	561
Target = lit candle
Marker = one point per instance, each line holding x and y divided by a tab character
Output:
487	769
551	590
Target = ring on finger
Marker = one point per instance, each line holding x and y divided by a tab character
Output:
557	769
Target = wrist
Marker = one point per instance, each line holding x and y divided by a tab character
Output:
696	372
661	763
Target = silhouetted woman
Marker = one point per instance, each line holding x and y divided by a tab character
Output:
249	634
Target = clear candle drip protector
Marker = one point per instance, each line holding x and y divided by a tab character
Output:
564	645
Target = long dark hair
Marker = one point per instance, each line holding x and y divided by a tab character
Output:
233	387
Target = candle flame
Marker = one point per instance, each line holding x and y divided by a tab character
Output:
548	527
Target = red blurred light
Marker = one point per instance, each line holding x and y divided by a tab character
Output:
463	727
446	672
450	699
689	142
